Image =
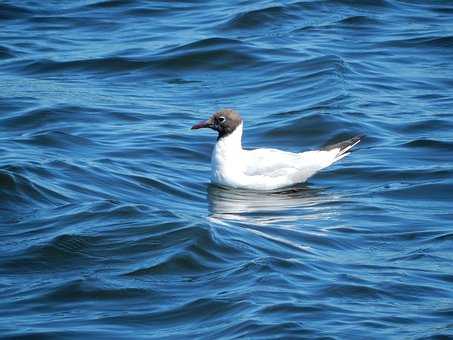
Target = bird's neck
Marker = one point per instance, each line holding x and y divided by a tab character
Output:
231	143
227	161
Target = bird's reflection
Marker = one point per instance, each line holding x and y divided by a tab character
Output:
268	207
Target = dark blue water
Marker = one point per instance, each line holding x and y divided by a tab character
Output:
109	227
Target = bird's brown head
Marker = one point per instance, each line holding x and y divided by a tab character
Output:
224	122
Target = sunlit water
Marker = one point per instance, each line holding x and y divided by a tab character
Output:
109	226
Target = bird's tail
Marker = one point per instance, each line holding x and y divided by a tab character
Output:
342	148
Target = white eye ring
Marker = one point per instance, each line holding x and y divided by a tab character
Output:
221	119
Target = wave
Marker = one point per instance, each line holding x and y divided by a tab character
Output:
425	42
109	225
88	290
360	20
12	12
6	53
430	144
19	191
212	53
366	4
205	54
107	64
257	18
188	250
112	3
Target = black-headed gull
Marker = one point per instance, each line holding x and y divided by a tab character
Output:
262	169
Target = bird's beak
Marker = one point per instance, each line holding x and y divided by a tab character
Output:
203	124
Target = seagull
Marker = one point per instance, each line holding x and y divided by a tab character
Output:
262	169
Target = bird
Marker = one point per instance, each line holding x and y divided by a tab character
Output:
264	168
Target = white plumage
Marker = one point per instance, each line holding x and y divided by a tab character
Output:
266	169
262	169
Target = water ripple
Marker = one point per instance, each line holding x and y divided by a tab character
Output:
109	226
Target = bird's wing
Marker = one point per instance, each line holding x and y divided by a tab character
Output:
272	168
294	166
269	162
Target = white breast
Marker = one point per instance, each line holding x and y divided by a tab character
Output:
227	161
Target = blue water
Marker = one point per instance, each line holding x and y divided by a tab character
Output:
110	228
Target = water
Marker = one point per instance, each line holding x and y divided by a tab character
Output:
109	227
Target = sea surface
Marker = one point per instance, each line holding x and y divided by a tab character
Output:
109	228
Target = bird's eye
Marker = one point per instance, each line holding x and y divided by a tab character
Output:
221	119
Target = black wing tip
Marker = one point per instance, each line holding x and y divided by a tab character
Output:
345	143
